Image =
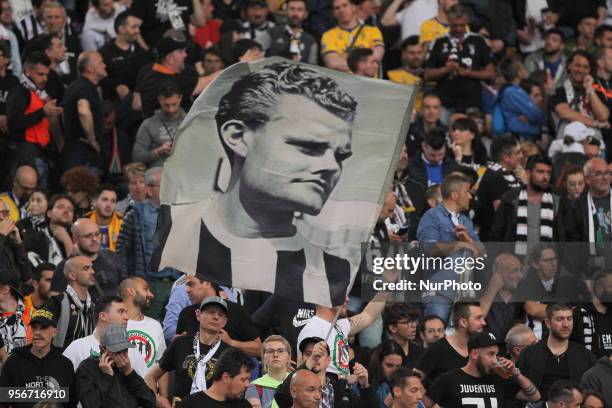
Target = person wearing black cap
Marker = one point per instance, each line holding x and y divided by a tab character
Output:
475	383
551	57
193	358
40	364
109	380
169	66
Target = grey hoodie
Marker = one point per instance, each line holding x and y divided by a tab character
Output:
154	132
599	378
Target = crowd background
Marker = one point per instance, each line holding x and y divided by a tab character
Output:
510	142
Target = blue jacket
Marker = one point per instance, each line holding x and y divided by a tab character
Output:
516	102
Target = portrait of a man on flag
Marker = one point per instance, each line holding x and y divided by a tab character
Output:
284	209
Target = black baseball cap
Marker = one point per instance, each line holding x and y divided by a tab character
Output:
168	44
481	340
44	317
12	281
311	340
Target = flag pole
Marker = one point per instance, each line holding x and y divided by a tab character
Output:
333	323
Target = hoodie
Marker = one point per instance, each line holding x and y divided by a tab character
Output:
25	370
599	378
154	132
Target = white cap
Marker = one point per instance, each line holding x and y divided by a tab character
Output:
578	131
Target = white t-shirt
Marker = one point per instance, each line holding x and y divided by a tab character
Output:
83	348
337	341
148	337
412	16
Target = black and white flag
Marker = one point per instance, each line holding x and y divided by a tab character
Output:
277	176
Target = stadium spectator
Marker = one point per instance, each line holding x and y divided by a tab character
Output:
41	285
428	118
290	40
550	58
361	61
104	215
432	165
276	363
99	24
406	388
431	329
437	26
134	176
400	322
519	337
81	184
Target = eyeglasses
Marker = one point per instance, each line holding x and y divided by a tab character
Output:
5	213
275	351
91	235
548	260
600	174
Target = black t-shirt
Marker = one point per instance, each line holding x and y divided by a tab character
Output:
180	358
554	369
200	399
239	325
471	52
116	60
458	389
149	80
439	358
283	317
81	88
55	87
7	83
560	96
156	19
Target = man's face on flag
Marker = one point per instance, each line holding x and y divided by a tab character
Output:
295	160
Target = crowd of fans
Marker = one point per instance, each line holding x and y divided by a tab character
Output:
509	143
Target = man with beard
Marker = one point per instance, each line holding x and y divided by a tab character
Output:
576	100
475	383
411	71
290	40
530	214
555	357
593	320
25	181
551	57
145	333
452	352
497	304
74	309
230	380
193	358
104	215
41	282
86	237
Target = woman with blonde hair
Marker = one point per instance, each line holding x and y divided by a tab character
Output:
276	364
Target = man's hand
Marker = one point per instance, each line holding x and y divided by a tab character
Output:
394	237
252	55
122	362
318	351
6	226
457	151
362	375
59	232
464	72
3	124
106	365
15	235
51	109
162	402
452	66
164	150
588	83
225	337
462	234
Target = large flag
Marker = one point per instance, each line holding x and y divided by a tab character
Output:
277	176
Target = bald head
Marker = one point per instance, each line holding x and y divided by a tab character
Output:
79	272
86	236
597	177
305	389
83	226
25	181
135	292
